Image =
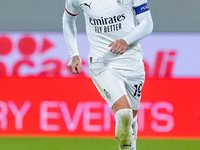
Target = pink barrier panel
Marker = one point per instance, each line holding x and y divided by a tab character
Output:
73	108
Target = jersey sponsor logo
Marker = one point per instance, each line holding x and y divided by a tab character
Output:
109	28
105	21
109	24
88	5
142	8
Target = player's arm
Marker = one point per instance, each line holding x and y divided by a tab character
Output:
144	28
144	19
70	35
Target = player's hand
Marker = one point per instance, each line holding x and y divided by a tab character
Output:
75	65
118	46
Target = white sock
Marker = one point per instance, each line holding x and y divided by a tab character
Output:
124	119
134	126
134	132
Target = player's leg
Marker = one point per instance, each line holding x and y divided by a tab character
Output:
124	120
134	126
112	89
121	103
134	94
134	91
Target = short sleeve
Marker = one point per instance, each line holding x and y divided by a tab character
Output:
72	7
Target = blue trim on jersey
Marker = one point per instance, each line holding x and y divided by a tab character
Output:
142	8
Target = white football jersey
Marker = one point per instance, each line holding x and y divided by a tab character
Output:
106	21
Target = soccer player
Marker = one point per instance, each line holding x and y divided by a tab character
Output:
114	28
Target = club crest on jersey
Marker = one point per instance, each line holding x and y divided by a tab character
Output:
119	2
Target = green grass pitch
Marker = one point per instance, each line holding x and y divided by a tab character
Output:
8	143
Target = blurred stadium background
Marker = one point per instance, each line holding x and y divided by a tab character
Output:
42	108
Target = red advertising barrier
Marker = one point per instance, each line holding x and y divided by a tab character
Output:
73	107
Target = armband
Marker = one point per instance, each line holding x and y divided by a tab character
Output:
142	8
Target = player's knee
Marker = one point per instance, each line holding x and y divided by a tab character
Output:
124	119
124	116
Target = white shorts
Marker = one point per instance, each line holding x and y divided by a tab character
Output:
113	83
